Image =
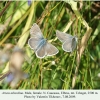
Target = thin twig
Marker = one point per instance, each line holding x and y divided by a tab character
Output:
2	12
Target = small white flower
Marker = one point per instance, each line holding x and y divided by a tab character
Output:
53	62
98	75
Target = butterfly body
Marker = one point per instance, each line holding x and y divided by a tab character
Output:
41	43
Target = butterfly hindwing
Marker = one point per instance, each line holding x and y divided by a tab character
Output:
40	53
50	49
67	46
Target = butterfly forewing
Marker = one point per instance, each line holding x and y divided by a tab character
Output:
35	31
34	43
63	36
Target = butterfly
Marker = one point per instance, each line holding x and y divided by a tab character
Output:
69	41
39	44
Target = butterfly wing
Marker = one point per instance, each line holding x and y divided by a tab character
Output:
67	45
40	53
34	43
50	49
46	49
69	41
36	32
63	36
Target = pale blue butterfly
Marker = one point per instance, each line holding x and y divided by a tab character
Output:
40	45
69	41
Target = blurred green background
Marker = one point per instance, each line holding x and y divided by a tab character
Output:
54	72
